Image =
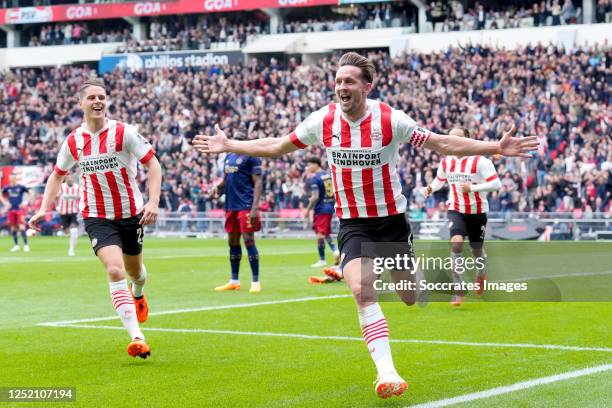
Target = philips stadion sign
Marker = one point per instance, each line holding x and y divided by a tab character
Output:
181	60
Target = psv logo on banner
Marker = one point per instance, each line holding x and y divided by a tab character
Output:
26	15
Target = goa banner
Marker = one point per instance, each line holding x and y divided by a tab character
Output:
68	12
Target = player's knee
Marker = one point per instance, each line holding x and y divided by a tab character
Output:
457	239
249	240
115	272
457	244
362	294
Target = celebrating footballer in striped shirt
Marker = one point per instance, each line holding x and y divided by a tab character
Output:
111	204
362	138
469	178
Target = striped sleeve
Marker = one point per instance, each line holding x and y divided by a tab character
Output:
407	131
309	131
486	170
67	156
441	173
136	144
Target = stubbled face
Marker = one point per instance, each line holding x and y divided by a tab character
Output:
351	89
93	102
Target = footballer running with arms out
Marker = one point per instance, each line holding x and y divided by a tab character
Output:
469	178
111	204
362	139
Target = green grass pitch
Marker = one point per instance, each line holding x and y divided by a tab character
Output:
297	353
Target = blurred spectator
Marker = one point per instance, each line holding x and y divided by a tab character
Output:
101	31
479	15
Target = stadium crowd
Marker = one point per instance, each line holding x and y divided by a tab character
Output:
562	97
75	33
354	17
205	31
198	31
480	15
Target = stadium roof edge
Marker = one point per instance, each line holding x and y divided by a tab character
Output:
324	41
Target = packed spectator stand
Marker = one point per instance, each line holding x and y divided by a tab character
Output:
562	97
454	15
206	31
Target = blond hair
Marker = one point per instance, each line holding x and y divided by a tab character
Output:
365	65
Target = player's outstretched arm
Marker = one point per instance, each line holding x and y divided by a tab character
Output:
151	209
486	187
51	190
508	145
314	197
257	189
266	147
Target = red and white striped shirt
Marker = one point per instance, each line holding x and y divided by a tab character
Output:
68	201
107	160
362	156
469	169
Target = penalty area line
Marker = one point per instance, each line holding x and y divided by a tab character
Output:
199	309
519	386
344	338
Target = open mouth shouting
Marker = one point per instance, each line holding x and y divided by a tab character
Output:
345	99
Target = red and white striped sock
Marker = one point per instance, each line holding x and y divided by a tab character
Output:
376	335
124	305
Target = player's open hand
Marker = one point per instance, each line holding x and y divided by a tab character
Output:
254	217
149	214
517	146
211	144
33	223
306	218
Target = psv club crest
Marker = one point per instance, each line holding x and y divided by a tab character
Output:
376	134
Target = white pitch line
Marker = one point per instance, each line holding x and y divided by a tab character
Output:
199	309
33	259
561	275
514	387
346	338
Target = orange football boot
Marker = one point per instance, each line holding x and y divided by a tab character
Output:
228	286
138	348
